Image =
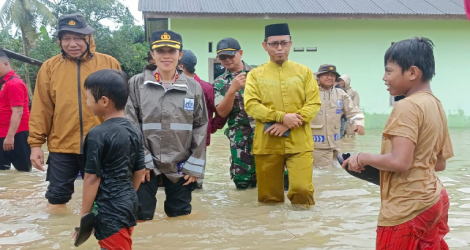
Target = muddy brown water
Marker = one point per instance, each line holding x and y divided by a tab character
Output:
344	217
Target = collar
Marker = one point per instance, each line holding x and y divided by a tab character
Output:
325	90
275	65
246	68
157	76
179	82
8	76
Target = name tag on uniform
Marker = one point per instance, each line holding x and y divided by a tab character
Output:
339	102
188	104
339	111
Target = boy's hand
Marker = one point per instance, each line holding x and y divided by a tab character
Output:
353	164
146	176
359	129
75	233
190	179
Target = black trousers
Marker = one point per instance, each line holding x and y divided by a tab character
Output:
19	156
178	197
61	174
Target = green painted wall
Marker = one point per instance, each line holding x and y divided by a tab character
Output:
356	47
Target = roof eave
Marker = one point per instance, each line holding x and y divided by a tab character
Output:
184	15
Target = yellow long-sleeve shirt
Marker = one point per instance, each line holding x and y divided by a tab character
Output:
271	91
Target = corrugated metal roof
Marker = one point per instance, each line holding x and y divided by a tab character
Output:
376	7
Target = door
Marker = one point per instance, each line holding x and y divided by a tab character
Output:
215	69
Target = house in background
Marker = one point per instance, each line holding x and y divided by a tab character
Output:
352	34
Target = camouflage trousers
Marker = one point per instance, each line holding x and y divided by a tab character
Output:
242	161
242	167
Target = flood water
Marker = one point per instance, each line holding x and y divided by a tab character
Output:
344	217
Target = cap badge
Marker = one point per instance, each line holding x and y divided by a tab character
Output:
165	36
72	23
332	68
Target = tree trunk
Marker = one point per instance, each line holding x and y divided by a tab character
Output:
26	68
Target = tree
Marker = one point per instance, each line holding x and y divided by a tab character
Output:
127	45
25	15
95	11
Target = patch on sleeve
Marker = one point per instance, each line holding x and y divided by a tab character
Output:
339	102
188	104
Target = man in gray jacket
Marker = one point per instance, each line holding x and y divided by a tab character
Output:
170	110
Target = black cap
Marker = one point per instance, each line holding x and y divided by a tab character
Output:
166	38
189	60
280	29
75	23
325	68
228	46
149	56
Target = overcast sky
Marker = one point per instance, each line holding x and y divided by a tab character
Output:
132	4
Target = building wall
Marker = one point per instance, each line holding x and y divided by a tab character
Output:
356	47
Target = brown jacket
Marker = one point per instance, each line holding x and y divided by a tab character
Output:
327	124
173	123
60	114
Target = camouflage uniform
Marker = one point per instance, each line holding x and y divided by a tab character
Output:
240	132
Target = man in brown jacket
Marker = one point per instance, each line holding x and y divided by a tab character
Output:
327	124
60	115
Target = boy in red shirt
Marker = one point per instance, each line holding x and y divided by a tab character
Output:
415	145
14	118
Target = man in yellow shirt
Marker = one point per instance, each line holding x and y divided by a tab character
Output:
283	97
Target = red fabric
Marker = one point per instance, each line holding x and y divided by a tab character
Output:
425	232
13	93
119	241
467	8
214	123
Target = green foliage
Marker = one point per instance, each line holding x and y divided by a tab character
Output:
127	46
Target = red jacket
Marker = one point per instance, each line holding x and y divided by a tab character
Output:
216	122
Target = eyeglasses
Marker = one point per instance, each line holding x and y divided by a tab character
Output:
283	44
225	57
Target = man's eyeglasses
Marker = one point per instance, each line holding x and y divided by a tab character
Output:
283	44
225	57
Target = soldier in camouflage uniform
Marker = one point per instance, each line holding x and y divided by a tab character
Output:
229	89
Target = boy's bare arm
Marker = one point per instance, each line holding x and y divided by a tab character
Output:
137	179
399	160
440	166
91	183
